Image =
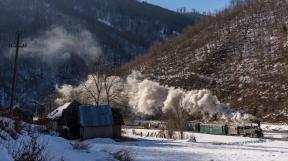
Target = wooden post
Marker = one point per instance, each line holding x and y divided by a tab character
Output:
14	78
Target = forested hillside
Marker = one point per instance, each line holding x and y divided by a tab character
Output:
65	38
239	53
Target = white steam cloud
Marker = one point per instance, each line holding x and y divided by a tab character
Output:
145	96
151	98
57	44
67	92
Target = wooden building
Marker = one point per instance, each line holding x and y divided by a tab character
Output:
96	121
76	121
117	123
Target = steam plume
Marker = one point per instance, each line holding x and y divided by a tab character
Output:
57	44
151	98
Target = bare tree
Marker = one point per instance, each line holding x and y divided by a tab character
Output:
112	88
175	110
181	117
103	86
94	87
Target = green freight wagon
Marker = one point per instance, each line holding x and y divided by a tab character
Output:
215	129
193	126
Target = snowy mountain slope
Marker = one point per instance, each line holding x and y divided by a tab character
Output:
62	36
125	21
240	54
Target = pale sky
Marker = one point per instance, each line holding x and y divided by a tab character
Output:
199	5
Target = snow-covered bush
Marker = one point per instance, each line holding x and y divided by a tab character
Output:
123	155
192	139
21	141
7	128
27	150
80	146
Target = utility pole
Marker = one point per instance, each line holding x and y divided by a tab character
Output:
14	78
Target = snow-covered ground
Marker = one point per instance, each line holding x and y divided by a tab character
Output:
275	128
274	131
208	147
142	148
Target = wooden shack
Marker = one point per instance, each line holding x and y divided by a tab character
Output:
96	121
64	119
117	123
76	121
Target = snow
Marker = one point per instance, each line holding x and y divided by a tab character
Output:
207	147
58	112
276	135
275	131
61	148
141	148
4	156
273	127
105	21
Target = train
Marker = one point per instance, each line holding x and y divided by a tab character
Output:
247	130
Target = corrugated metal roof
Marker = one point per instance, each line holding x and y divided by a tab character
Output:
91	116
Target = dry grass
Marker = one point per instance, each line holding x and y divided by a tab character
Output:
192	139
80	146
123	155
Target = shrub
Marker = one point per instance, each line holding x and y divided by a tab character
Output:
192	139
123	155
17	125
161	134
2	125
80	146
27	151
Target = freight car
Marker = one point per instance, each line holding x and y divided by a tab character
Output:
193	126
216	129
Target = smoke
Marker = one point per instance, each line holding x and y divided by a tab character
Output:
145	96
151	98
68	93
174	99
201	100
57	44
